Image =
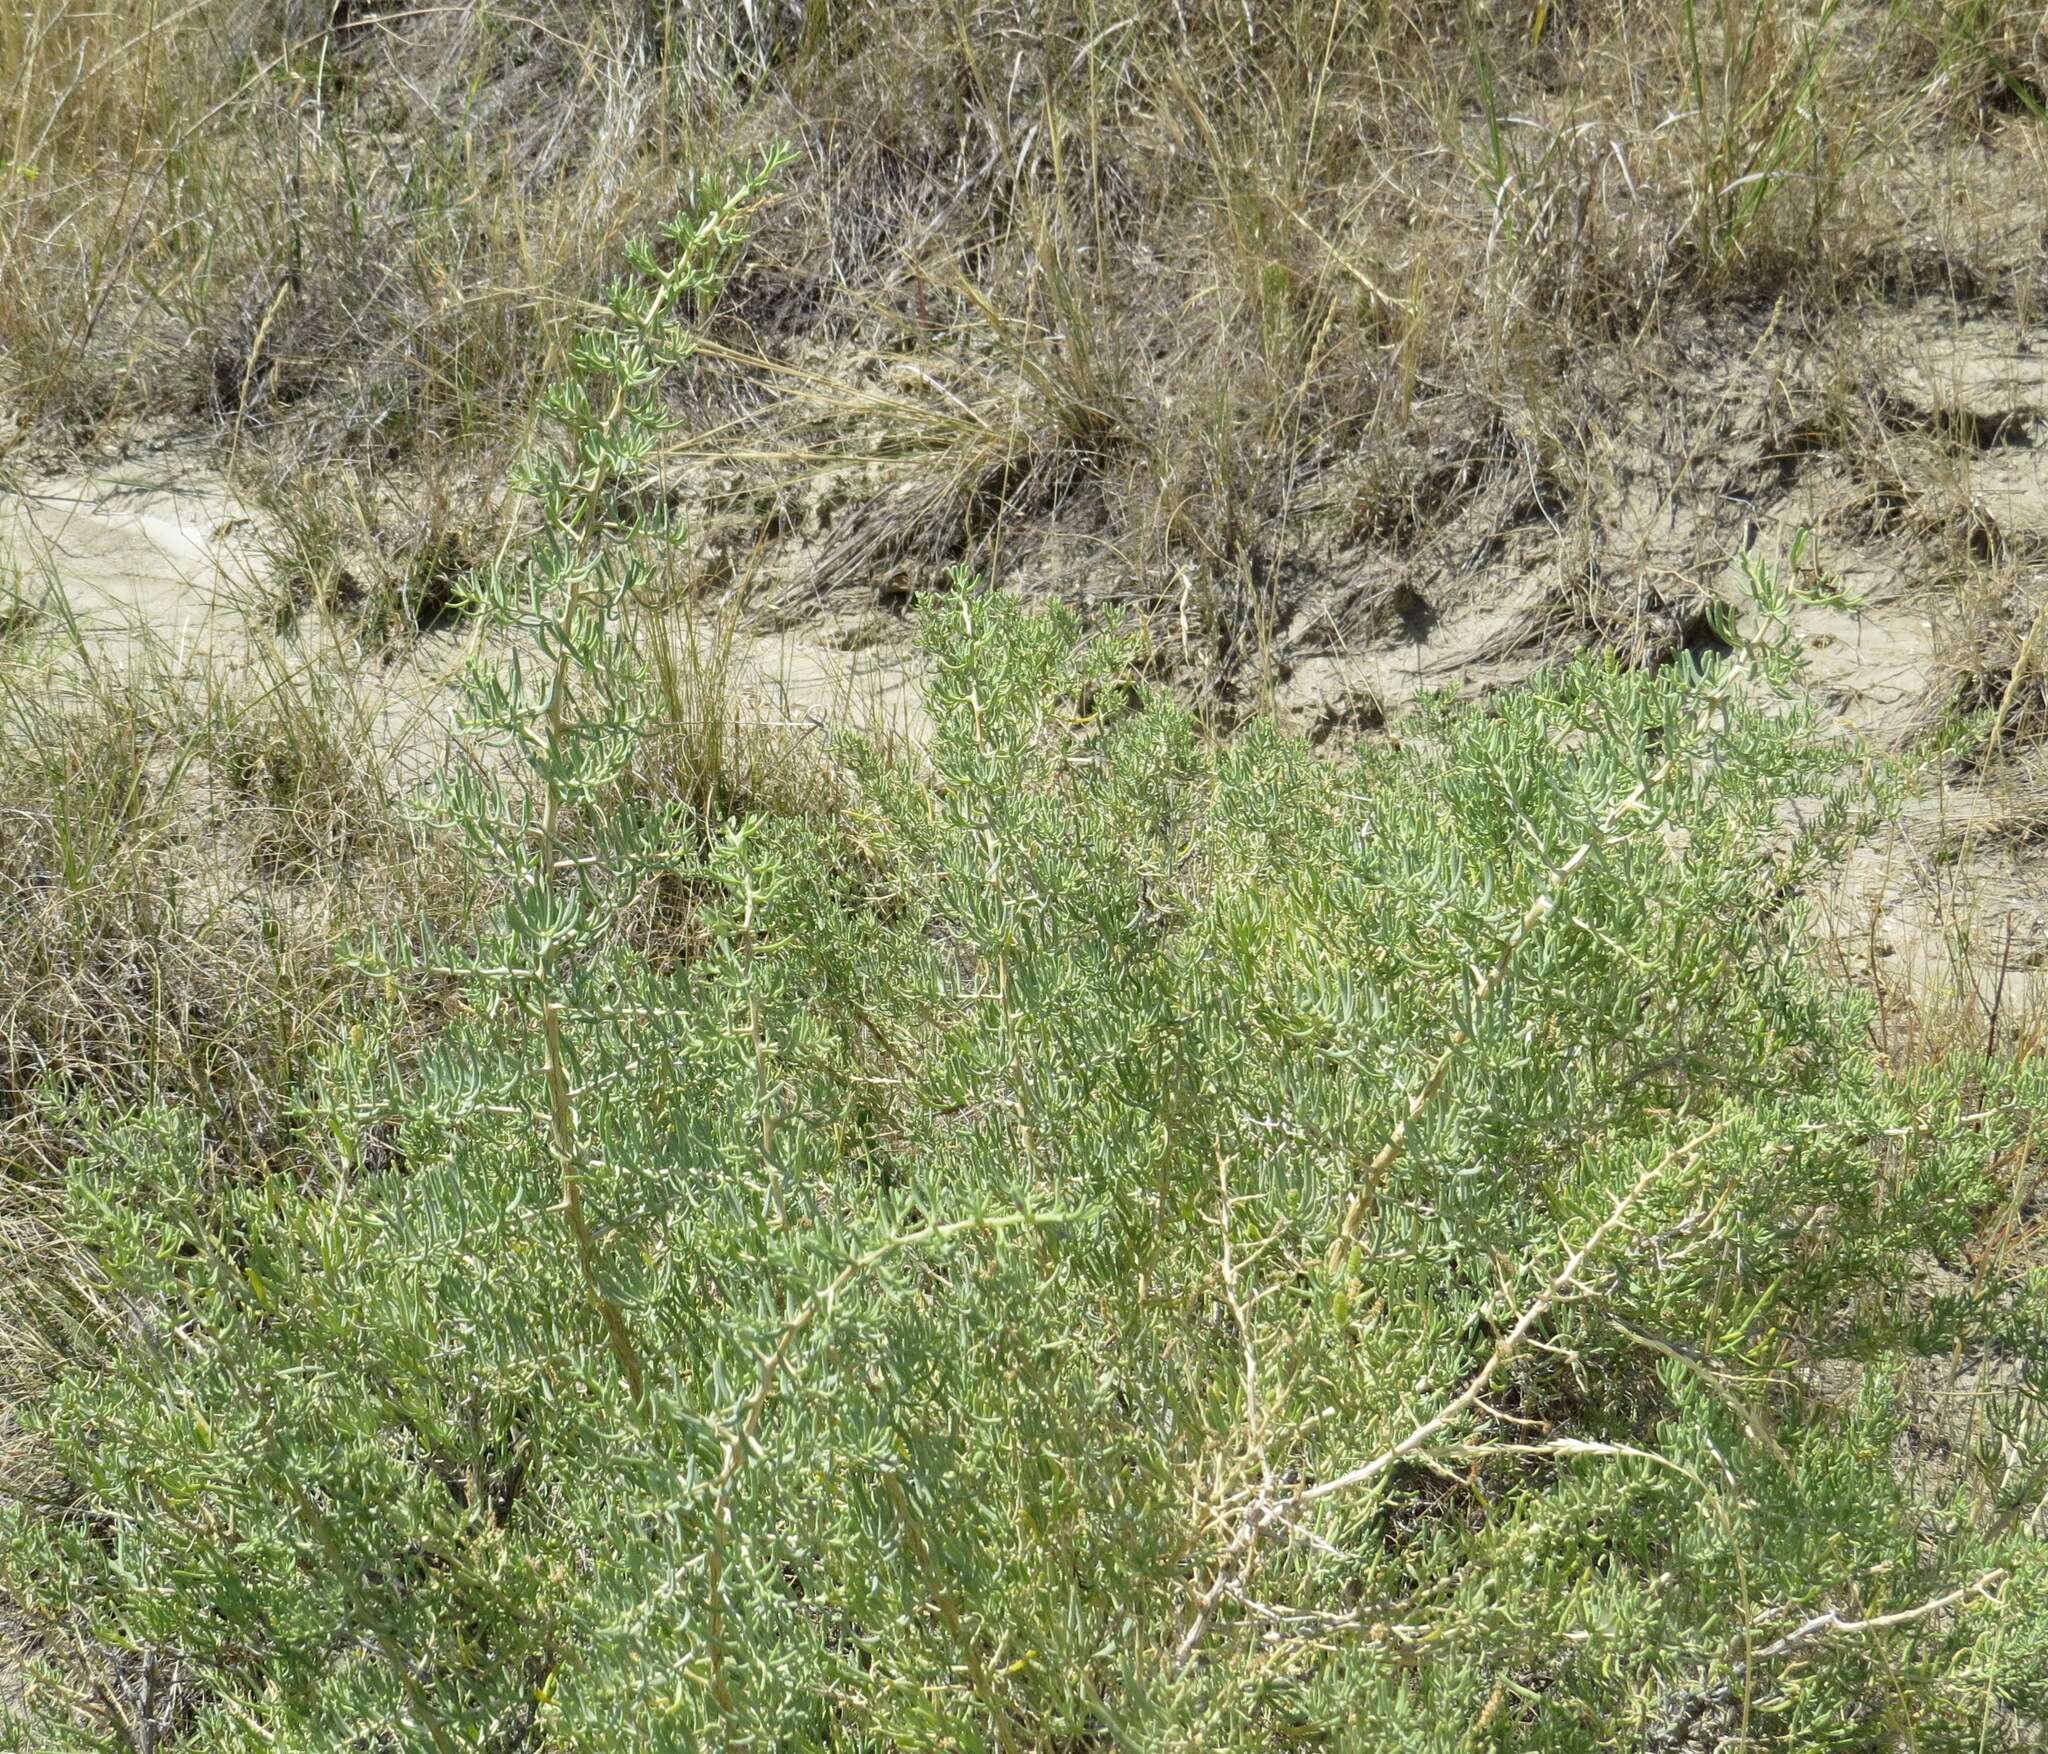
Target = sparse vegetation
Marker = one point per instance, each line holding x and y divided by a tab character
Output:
1248	317
1337	1140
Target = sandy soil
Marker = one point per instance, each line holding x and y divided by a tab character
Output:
156	543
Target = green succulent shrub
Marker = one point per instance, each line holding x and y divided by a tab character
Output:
1107	1239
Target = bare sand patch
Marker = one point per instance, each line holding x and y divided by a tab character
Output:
156	542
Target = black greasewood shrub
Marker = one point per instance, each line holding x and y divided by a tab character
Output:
1109	1240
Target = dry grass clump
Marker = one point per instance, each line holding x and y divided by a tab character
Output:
387	549
1983	60
703	750
1210	313
132	972
1189	301
307	221
142	811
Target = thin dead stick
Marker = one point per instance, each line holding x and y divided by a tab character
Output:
1263	1513
1510	1342
1570	1447
1241	1313
1678	1732
1821	1625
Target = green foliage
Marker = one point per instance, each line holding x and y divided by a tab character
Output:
1111	1240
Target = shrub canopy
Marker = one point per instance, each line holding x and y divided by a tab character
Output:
1102	1238
1014	1199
